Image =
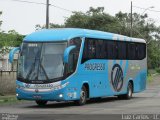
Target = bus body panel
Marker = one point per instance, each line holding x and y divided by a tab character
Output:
97	73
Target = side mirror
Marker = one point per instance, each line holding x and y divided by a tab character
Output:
11	54
67	52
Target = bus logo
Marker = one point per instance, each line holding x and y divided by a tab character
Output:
117	77
36	90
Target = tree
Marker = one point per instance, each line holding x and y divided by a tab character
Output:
95	19
8	40
141	27
153	55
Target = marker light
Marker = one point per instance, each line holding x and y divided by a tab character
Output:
60	95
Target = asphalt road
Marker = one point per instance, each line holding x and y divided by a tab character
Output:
147	102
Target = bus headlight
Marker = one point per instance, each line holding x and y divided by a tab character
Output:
60	95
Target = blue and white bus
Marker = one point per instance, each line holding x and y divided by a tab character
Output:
70	64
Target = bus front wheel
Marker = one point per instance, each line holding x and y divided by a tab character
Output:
83	96
41	102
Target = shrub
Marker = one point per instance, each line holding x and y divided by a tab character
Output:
158	70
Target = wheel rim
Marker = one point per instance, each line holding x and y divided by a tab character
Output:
83	96
130	91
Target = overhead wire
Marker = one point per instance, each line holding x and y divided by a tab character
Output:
24	1
147	9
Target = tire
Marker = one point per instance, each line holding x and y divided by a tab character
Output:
129	92
41	102
83	96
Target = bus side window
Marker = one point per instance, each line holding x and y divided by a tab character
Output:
131	51
91	49
143	48
121	50
105	49
85	52
141	51
112	49
100	49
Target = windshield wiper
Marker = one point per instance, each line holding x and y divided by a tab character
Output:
40	64
32	68
44	71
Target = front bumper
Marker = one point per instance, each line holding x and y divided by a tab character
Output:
49	96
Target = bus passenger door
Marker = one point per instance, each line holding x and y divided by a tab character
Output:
93	73
93	64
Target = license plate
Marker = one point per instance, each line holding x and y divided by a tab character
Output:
37	96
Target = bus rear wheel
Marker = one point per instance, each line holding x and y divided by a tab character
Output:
129	92
83	96
41	102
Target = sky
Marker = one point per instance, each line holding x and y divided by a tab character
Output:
23	17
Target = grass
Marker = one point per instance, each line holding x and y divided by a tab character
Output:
9	99
152	71
149	78
151	74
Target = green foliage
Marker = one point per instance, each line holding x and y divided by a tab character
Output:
78	19
93	19
8	40
153	54
149	78
11	39
158	70
8	99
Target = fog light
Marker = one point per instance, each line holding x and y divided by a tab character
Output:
60	95
17	95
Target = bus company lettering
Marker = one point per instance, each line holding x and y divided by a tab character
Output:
43	85
95	66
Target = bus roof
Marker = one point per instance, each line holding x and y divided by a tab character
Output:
64	34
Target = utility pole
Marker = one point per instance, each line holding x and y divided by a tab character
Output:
47	14
131	20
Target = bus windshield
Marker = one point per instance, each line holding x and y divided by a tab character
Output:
41	61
